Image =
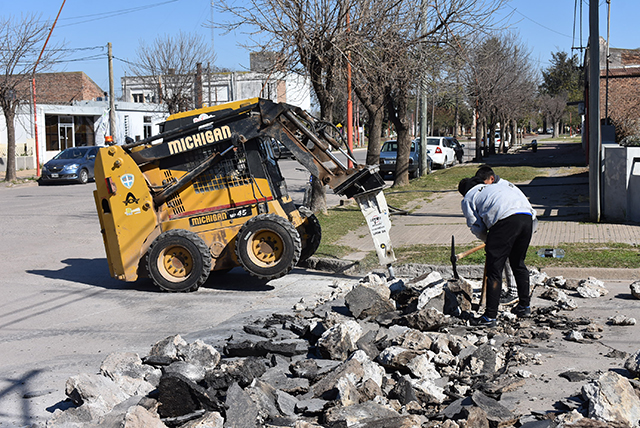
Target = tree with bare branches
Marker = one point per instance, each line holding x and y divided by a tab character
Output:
309	36
553	108
21	41
501	82
405	42
382	38
168	67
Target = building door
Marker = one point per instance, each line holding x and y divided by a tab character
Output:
66	136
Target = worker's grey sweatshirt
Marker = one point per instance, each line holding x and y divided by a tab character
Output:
486	204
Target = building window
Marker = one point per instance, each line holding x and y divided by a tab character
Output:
138	98
83	130
148	127
51	133
62	132
126	126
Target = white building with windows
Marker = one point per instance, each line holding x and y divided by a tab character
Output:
213	88
83	121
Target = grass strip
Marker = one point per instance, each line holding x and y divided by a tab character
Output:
598	255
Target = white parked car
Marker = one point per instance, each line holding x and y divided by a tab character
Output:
442	151
497	140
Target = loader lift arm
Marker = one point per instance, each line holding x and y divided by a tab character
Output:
292	126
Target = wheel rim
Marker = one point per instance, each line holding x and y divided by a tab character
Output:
266	248
84	176
175	263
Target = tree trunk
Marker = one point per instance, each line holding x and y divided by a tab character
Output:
402	160
398	113
9	116
375	131
491	139
478	139
318	201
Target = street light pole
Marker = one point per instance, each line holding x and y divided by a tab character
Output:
33	93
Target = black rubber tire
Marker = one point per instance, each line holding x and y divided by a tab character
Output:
179	260
83	176
310	235
268	246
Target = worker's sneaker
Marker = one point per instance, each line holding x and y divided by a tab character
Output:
521	311
508	300
483	321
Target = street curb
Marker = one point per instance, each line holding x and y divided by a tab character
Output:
412	270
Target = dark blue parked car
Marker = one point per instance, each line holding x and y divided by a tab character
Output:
389	153
74	164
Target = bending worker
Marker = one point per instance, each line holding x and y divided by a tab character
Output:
509	296
501	216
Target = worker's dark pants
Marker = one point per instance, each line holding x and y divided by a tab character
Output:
508	239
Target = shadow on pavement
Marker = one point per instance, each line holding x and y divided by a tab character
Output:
549	154
95	272
562	198
84	271
22	386
556	197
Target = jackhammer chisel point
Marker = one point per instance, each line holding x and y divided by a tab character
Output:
391	273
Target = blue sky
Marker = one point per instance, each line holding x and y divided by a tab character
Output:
545	26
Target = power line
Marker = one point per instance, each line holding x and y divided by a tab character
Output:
87	58
127	62
537	23
89	48
33	50
92	17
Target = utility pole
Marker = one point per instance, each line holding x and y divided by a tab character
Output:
594	112
424	157
33	95
112	97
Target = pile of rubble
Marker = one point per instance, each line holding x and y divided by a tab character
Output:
375	354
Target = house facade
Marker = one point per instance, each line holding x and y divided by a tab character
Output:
620	86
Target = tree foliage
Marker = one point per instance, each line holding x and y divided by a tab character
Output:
563	76
562	82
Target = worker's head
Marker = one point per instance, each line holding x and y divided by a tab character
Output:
486	174
467	184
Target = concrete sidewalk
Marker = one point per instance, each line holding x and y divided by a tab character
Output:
435	222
